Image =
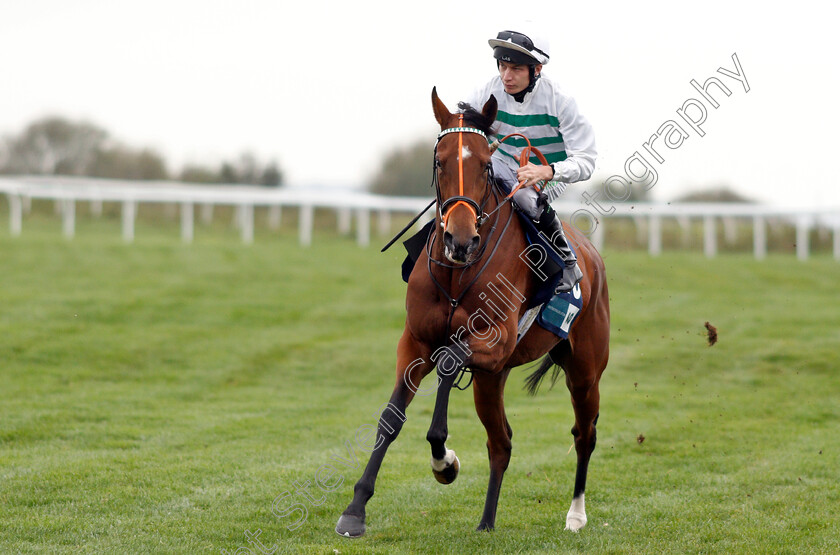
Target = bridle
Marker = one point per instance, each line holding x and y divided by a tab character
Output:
445	209
447	206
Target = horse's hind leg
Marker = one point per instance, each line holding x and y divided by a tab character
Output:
412	366
583	372
488	392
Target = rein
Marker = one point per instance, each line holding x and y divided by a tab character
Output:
523	161
445	208
455	301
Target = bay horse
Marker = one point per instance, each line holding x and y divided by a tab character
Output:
455	325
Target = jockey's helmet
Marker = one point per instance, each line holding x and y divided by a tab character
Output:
520	48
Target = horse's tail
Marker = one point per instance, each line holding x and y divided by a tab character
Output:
532	382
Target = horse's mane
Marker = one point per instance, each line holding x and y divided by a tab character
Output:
474	118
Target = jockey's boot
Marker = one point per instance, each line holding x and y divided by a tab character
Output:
550	225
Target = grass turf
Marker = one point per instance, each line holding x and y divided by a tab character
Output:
157	398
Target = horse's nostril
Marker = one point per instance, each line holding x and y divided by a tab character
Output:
473	244
447	240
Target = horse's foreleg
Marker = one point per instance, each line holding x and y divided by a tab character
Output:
411	368
445	464
488	392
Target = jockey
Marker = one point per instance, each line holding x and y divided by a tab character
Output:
536	107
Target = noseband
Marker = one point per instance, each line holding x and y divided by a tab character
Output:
445	207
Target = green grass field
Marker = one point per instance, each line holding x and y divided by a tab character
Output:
158	397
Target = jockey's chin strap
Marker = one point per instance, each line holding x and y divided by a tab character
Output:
446	207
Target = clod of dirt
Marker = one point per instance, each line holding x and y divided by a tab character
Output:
711	334
640	439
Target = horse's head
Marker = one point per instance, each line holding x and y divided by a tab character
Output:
462	166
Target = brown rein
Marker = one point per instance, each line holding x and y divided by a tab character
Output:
523	156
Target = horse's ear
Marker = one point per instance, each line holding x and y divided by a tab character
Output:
490	108
442	113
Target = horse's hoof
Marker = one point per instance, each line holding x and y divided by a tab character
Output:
576	517
484	527
350	526
448	473
575	521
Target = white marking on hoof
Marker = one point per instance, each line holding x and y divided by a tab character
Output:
576	517
446	461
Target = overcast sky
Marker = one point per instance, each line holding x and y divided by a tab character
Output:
328	88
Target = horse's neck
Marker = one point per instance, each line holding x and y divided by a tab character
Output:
505	245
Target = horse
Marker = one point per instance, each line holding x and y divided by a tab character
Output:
455	325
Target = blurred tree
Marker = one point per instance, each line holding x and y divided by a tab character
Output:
54	145
406	172
4	155
638	193
121	162
247	170
198	174
271	175
57	146
227	174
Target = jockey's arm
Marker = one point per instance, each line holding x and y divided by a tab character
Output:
579	140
